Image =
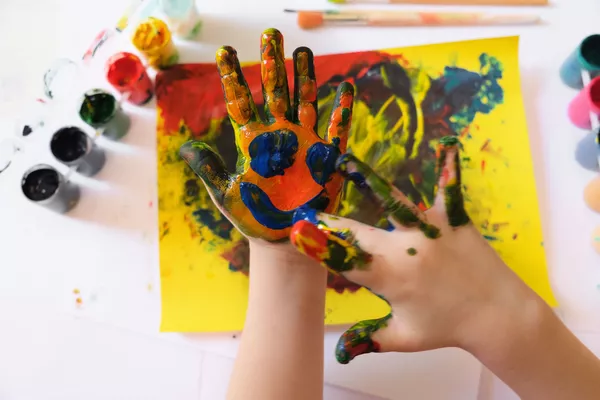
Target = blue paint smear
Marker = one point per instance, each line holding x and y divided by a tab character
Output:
469	93
263	210
490	238
219	226
305	213
321	159
272	152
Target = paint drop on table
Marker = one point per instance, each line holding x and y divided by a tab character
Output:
596	239
591	194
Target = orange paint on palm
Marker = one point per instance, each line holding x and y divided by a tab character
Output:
297	177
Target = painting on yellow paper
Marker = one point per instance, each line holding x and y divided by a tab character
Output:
406	99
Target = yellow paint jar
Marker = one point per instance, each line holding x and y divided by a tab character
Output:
153	39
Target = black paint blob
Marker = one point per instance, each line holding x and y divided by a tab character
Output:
26	130
40	184
69	144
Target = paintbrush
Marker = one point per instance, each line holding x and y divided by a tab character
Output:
451	2
315	19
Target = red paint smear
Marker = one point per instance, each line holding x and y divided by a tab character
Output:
150	204
192	92
482	166
314	247
422	206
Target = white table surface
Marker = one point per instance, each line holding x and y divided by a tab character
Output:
109	347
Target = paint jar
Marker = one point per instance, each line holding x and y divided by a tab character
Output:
72	147
587	152
47	187
586	105
182	17
153	38
101	110
586	57
62	79
126	73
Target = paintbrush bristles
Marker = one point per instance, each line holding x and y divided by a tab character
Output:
450	2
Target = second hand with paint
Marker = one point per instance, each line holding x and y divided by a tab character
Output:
316	19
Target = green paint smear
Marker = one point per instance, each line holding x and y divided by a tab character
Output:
337	257
449	140
457	216
357	340
430	231
412	251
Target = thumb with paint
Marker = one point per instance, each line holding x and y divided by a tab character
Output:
446	287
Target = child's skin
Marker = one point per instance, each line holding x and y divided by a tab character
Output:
445	285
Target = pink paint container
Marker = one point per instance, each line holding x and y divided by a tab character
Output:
586	102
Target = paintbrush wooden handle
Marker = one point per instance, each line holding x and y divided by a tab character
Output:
377	18
459	2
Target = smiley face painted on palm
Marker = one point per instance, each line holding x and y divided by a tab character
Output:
283	164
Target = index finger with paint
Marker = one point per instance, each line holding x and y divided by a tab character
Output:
283	165
437	285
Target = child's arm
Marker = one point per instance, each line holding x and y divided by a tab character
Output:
281	350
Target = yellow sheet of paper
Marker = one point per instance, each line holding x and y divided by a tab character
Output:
200	292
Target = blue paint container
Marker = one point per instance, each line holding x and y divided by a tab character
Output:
586	57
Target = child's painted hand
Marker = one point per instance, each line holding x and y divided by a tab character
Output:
282	163
445	285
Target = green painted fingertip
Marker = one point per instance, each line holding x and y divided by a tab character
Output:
449	140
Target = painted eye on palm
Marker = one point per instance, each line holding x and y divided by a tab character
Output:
283	165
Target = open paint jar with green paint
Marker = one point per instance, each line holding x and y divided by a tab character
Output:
102	111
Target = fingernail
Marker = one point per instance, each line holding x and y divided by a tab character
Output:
358	340
331	248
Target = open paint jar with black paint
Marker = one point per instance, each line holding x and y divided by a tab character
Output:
74	148
102	111
47	187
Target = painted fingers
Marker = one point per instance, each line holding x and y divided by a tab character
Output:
274	76
305	89
398	208
449	182
334	249
338	250
341	116
240	105
361	339
209	166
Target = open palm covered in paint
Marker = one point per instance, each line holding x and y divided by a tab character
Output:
283	166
